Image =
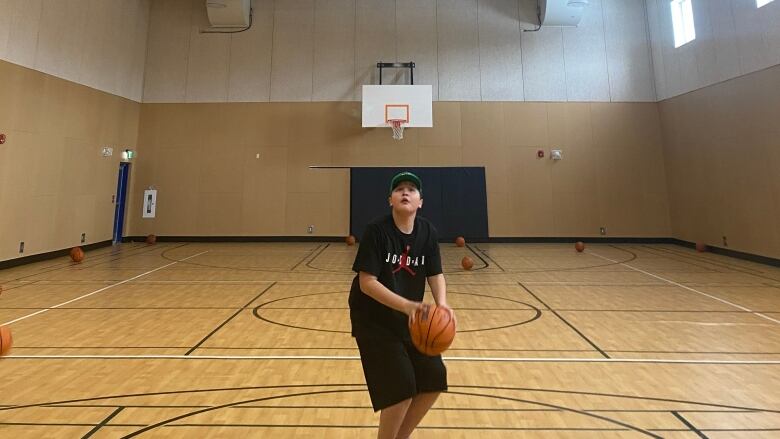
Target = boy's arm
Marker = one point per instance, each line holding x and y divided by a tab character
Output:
372	287
438	289
439	292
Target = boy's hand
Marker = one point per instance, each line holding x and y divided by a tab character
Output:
411	310
449	310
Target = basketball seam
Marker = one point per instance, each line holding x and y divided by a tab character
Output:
450	321
428	341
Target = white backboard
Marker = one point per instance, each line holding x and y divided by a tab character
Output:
382	102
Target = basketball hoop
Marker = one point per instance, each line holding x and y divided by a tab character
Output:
398	128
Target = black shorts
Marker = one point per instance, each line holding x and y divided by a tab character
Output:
396	371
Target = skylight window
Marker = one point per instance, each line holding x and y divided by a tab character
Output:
682	20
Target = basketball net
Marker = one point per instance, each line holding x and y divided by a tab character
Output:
398	129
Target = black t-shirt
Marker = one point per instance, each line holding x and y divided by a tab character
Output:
401	263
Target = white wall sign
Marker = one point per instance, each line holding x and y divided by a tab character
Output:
150	203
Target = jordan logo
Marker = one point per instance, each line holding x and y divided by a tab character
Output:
403	262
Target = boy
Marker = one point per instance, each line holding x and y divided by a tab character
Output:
397	254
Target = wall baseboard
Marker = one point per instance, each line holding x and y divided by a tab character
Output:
49	255
766	260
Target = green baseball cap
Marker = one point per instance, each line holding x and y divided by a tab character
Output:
406	176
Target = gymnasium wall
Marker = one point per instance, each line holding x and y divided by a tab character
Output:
733	38
98	43
54	183
202	158
469	50
722	155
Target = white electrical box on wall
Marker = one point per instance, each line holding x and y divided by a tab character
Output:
561	12
150	203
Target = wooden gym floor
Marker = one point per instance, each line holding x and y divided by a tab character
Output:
251	340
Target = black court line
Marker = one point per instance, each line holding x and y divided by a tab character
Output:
317	255
665	311
565	321
367	407
689	425
488	256
654	252
185	308
484	262
311	252
229	319
260	348
103	423
169	421
61	265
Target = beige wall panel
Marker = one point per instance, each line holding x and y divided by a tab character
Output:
569	125
334	50
208	61
28	98
446	130
250	57
339	202
219	214
627	125
221	169
417	40
47	153
440	156
301	178
61	38
166	59
500	58
525	124
574	214
577	172
293	51
99	37
496	163
482	124
201	157
307	208
52	175
265	194
328	123
500	215
721	172
375	41
457	27
23	23
530	189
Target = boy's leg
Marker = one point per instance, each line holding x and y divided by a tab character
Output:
419	406
391	418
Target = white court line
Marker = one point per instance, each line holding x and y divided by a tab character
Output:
355	358
98	291
689	289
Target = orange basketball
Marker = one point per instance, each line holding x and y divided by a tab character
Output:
6	341
151	239
77	254
433	330
467	263
460	241
350	240
579	246
701	247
